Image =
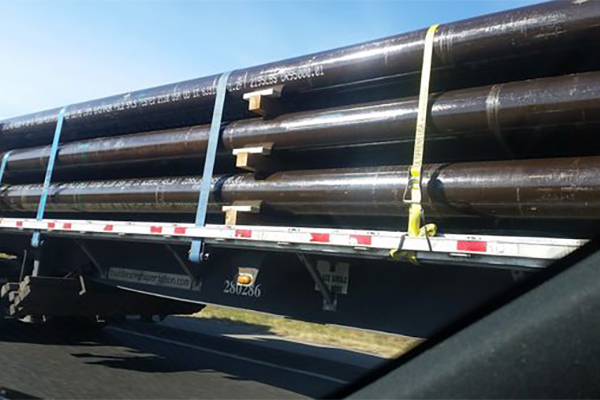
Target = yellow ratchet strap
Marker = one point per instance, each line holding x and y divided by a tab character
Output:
415	212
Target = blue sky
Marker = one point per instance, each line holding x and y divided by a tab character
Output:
61	52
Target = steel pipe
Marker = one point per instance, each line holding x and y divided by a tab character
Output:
562	188
534	105
529	33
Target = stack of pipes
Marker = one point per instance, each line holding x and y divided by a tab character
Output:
512	117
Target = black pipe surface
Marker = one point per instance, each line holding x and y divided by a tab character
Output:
533	32
561	188
534	105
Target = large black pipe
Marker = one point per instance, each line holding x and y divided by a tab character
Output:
564	102
562	188
529	33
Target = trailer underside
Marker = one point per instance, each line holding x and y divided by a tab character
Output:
305	275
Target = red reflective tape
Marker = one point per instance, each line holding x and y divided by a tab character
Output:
361	239
156	229
180	230
109	228
51	225
243	233
67	225
20	224
469	245
319	237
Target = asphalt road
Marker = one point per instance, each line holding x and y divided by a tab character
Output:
137	360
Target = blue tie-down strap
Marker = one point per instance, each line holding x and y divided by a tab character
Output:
35	239
196	250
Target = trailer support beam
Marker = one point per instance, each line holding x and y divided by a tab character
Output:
329	303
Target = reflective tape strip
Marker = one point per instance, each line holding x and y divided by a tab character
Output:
361	239
243	233
470	245
320	237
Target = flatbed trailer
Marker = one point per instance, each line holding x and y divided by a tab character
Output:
339	276
409	282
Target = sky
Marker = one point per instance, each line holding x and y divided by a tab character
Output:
55	53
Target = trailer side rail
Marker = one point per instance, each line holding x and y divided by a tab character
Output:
489	250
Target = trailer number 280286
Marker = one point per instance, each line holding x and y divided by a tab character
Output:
231	287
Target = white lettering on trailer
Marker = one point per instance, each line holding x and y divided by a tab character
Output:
232	287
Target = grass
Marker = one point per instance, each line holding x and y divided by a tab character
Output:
381	344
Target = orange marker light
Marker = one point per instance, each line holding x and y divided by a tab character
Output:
244	279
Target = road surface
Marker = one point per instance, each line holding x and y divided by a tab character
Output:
137	360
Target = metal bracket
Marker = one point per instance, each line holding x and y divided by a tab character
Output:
329	302
91	257
195	279
22	273
35	238
82	285
197	250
